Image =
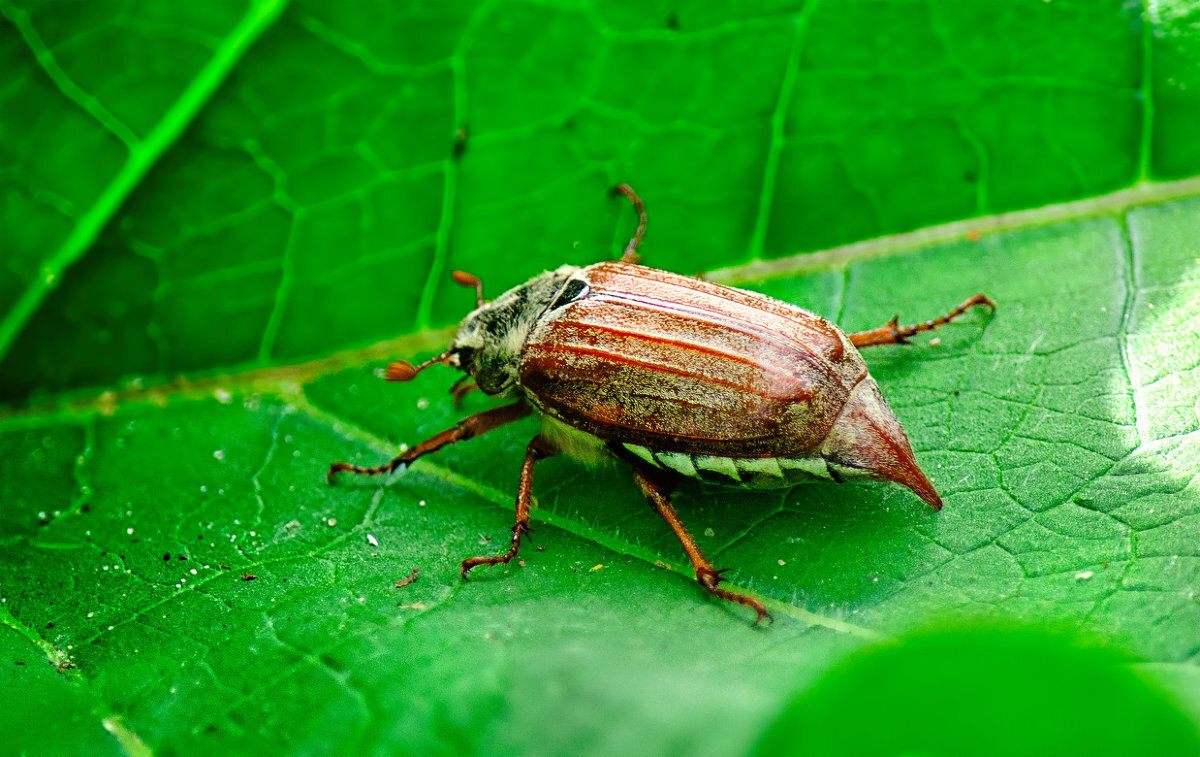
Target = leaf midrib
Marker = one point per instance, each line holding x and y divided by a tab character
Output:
143	154
282	378
286	382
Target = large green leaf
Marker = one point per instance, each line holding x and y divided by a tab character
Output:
176	575
1061	434
315	202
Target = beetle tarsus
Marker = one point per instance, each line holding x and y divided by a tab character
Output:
361	471
539	449
711	579
658	493
631	254
472	425
893	333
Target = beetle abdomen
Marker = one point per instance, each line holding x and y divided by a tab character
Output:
754	472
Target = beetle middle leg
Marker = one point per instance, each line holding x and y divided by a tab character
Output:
658	493
471	426
893	333
539	449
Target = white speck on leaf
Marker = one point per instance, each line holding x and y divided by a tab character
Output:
1084	575
372	540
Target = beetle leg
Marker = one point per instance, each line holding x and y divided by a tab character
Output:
658	493
631	254
462	388
539	449
893	333
472	425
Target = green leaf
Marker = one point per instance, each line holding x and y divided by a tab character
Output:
177	544
923	697
316	203
1056	432
64	106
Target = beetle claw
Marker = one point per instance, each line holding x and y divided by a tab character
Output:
710	578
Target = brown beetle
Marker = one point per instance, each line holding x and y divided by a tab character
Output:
681	378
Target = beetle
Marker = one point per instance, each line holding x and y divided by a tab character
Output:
681	378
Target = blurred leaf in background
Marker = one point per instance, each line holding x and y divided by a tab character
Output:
220	219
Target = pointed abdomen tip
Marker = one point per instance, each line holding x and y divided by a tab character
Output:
914	478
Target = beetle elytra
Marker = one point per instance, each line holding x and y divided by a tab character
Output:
679	377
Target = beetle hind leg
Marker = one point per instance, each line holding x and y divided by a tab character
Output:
893	333
658	494
631	254
539	449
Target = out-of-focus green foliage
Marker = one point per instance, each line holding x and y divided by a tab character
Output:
995	691
196	188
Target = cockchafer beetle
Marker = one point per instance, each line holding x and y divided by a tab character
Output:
678	376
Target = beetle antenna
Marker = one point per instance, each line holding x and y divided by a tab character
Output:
462	278
402	370
631	254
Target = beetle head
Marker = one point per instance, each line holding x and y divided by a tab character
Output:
489	340
867	441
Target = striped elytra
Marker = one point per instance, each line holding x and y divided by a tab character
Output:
682	365
680	378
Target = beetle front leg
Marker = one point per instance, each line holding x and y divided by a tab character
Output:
471	426
658	493
462	388
893	333
539	449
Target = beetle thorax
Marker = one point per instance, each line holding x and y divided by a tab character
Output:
490	339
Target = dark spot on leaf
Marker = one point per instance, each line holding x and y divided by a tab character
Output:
460	142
